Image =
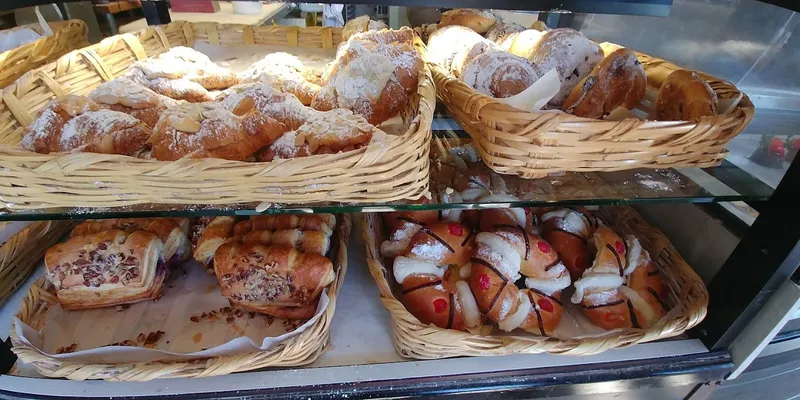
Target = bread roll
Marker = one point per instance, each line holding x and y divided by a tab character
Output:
500	74
685	97
479	21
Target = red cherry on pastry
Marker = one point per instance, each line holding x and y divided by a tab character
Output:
620	247
546	305
776	147
484	281
456	229
796	143
439	305
543	246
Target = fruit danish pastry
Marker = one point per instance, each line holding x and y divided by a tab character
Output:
429	271
209	130
106	268
129	97
622	288
173	236
75	123
274	280
568	231
500	257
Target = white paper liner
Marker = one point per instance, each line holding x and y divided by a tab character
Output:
536	95
184	297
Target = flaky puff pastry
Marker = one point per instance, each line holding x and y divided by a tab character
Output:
167	78
286	73
106	269
283	107
212	233
209	130
75	123
372	79
129	97
261	278
199	68
174	237
314	222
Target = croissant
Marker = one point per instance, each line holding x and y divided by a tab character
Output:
209	130
129	97
75	123
313	222
259	278
209	237
306	241
107	268
283	72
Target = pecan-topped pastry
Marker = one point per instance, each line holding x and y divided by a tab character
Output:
170	230
274	280
107	268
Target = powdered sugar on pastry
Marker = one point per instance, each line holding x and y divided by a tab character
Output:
93	123
500	74
128	93
366	76
283	72
285	108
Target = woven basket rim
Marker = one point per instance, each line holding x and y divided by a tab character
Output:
414	339
397	162
299	350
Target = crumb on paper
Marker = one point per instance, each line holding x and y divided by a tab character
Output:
67	349
263	207
211	288
153	338
197	337
141	337
123	307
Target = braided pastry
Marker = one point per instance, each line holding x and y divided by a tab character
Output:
619	80
75	123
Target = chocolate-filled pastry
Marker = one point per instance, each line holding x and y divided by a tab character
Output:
174	236
129	97
107	268
259	278
208	130
77	124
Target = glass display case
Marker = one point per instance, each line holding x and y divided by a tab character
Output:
732	223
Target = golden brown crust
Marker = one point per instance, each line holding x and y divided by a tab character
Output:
306	241
314	222
218	230
74	123
271	275
211	131
685	97
479	21
373	80
168	230
441	243
361	24
285	73
199	68
619	80
129	97
105	269
433	301
500	74
448	42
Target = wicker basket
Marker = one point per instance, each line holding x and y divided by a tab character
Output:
302	349
414	339
397	170
67	36
20	254
534	144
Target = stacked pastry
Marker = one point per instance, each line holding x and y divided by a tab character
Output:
501	59
463	269
117	261
275	265
163	107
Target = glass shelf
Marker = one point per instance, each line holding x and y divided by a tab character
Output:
721	184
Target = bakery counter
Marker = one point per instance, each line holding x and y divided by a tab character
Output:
361	361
